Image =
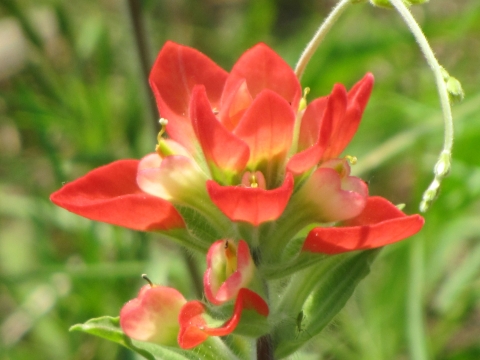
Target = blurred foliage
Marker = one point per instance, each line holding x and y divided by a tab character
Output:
76	98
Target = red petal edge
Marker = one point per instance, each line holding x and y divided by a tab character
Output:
263	68
175	72
193	328
253	205
381	223
110	194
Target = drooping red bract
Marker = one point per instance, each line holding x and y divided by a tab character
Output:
194	328
380	223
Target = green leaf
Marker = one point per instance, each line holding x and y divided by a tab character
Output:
108	327
315	296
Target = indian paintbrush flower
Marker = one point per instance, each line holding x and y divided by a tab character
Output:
250	160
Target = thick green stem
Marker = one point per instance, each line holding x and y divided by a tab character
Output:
442	166
319	36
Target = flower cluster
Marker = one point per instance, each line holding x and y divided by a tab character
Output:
163	316
248	159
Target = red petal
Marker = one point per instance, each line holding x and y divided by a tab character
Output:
192	325
263	69
219	145
381	223
343	129
110	194
246	299
234	105
311	120
175	72
252	205
304	160
267	128
193	329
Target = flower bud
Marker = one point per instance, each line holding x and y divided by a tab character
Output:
230	267
153	315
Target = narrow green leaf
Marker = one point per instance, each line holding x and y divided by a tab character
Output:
315	296
108	327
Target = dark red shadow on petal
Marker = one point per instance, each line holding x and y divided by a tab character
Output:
194	330
110	194
381	223
253	205
262	68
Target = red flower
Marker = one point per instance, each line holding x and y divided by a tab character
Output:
244	143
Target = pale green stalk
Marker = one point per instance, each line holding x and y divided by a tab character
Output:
442	167
319	36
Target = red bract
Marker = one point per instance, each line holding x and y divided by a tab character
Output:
380	223
194	328
111	194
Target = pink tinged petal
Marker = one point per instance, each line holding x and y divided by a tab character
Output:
153	315
175	72
225	150
110	194
331	197
218	287
267	128
234	105
175	177
253	205
194	329
344	129
254	177
263	69
380	223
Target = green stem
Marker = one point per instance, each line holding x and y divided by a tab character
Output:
442	166
319	36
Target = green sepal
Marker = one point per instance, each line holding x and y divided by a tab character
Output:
314	296
108	327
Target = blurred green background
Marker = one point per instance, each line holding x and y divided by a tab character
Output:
73	96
